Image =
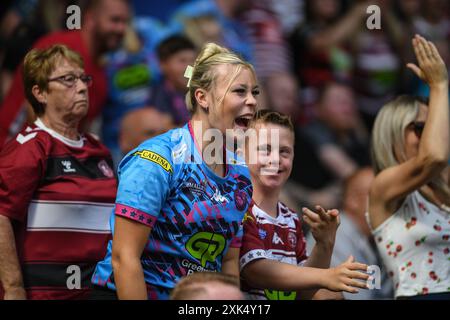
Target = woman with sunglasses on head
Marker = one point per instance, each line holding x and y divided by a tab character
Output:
409	205
57	186
179	206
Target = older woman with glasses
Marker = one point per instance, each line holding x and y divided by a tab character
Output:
409	206
57	187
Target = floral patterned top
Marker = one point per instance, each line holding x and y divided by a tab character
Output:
415	247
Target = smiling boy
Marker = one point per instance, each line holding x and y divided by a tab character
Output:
273	260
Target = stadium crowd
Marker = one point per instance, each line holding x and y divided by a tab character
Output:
314	62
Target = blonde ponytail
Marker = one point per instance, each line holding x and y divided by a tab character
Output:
203	73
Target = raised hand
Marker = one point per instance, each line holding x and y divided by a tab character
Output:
323	224
346	277
431	67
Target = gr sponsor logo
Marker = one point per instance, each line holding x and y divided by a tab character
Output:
280	295
192	267
206	246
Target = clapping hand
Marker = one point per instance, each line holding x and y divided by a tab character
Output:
323	224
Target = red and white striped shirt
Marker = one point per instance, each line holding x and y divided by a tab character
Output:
266	237
59	195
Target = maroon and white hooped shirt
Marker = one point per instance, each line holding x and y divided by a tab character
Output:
59	194
266	237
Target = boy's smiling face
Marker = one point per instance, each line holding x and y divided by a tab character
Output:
273	164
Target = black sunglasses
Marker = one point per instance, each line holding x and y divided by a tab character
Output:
417	126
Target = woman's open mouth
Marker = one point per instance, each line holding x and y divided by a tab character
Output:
242	122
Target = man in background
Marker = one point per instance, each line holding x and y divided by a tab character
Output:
103	28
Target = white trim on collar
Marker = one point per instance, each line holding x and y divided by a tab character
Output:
73	143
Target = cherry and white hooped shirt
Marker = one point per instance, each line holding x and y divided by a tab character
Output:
415	247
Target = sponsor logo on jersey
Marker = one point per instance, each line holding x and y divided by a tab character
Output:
22	139
206	246
218	197
192	267
67	164
156	158
276	239
240	199
247	216
280	295
196	188
292	239
105	169
262	234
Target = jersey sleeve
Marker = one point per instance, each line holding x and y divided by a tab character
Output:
22	165
144	183
252	246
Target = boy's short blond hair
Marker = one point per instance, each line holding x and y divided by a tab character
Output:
267	116
194	284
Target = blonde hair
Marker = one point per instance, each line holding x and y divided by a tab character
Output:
38	65
204	74
194	284
272	117
389	134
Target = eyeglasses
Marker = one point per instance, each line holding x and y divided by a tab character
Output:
417	126
70	79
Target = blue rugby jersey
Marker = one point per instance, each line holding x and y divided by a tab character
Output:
195	215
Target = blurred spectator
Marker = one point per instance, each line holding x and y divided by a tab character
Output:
175	54
12	13
427	18
282	94
207	286
25	22
289	13
377	62
434	24
320	47
354	237
141	124
407	12
131	71
4	9
331	148
271	58
103	28
252	29
215	21
161	10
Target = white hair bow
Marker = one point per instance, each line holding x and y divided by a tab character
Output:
188	74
